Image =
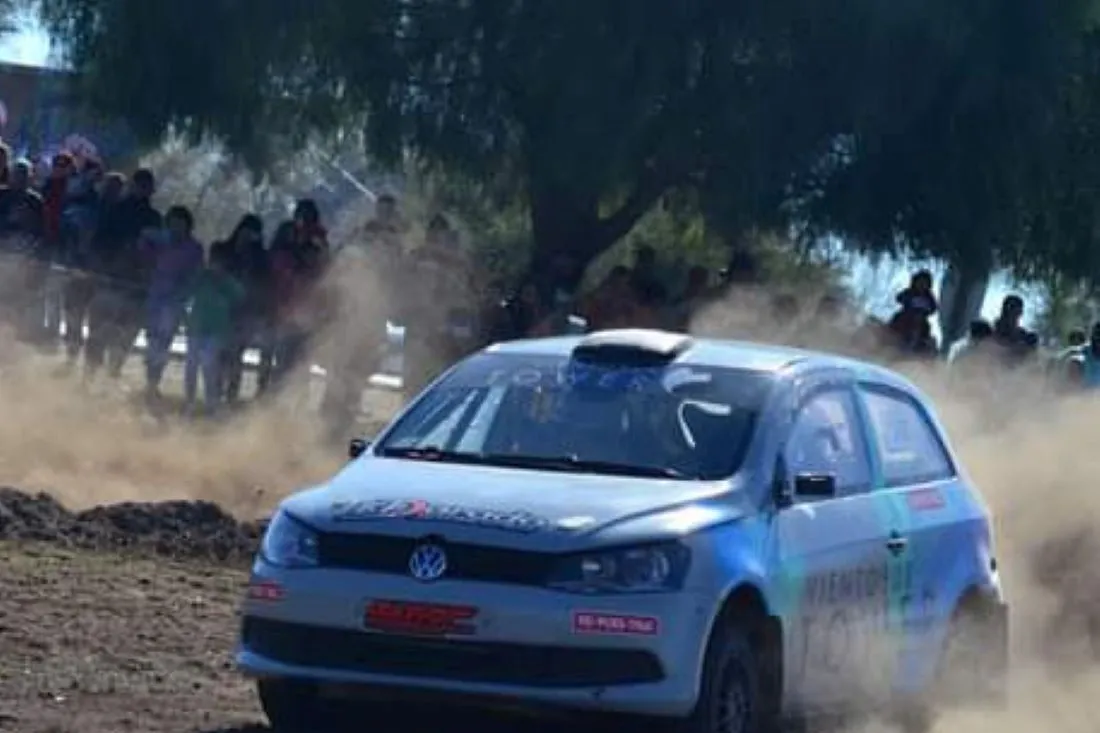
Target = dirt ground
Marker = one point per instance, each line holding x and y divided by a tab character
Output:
124	551
100	641
96	642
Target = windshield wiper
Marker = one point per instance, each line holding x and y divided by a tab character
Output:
579	465
432	453
551	463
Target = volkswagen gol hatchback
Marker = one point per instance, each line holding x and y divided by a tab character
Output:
710	533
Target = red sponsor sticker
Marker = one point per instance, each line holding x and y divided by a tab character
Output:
925	500
431	619
590	622
267	590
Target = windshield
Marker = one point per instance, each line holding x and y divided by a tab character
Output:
556	413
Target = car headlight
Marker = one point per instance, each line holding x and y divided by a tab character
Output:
289	543
642	569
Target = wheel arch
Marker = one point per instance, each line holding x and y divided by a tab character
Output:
977	599
982	611
746	602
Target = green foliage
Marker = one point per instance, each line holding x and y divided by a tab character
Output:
1067	304
496	226
965	131
952	159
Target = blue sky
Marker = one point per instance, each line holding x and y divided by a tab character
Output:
32	46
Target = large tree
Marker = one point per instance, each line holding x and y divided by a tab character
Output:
912	123
965	150
591	110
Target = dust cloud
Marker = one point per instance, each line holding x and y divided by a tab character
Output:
94	443
89	446
1032	452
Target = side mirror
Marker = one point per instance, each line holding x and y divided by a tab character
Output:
815	485
357	447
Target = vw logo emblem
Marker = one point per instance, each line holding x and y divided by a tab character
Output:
428	562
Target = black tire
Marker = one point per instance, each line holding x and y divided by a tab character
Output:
733	695
972	669
974	663
290	706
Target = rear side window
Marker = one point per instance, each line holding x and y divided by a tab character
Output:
909	447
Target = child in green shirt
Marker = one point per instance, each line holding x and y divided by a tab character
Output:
215	297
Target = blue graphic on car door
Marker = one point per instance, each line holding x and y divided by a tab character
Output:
829	554
934	515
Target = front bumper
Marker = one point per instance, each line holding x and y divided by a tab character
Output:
524	647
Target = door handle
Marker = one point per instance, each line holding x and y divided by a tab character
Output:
896	543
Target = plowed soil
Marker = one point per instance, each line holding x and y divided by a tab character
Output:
108	641
124	617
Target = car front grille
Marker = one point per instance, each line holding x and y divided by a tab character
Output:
389	554
467	661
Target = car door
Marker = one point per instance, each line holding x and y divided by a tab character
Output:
929	511
829	553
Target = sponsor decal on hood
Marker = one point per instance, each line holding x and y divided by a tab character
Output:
418	509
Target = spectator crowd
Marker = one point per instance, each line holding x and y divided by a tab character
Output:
97	264
126	267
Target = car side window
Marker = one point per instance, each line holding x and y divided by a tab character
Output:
908	445
826	439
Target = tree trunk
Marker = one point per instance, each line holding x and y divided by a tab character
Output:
568	237
961	296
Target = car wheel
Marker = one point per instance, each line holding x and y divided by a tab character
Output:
289	705
974	663
732	695
972	669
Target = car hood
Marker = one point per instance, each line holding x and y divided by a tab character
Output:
510	507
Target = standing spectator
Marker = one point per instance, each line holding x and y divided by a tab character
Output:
439	317
353	338
644	278
299	256
384	237
520	313
87	203
1007	329
387	229
976	348
56	190
611	304
911	324
560	300
115	314
366	291
21	206
1080	365
1017	342
215	296
21	232
174	258
244	258
743	268
19	194
919	296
